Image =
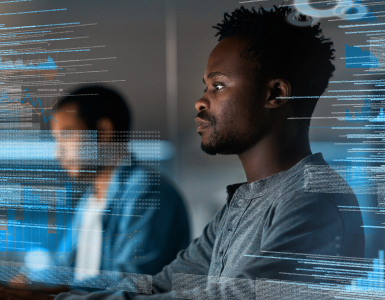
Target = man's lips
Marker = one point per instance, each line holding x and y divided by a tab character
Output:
201	123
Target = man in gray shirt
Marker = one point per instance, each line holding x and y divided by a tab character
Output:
255	78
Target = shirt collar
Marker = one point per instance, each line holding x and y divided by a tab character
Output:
263	186
125	164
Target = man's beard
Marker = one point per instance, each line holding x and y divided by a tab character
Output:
218	143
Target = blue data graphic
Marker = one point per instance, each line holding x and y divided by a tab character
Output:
29	227
49	64
374	280
32	104
360	58
380	117
369	16
360	117
48	68
365	116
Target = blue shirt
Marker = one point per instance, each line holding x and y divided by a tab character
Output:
144	224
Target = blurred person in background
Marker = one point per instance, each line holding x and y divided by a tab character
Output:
117	224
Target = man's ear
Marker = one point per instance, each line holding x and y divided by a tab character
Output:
106	128
277	90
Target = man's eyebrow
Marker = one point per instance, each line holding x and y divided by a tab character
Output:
213	74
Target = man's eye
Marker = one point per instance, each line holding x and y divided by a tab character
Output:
218	86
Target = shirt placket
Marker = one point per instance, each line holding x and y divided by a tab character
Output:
237	209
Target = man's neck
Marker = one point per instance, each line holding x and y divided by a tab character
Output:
102	182
274	154
103	176
100	178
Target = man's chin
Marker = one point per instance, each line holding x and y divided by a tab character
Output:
209	144
214	144
208	150
222	149
214	149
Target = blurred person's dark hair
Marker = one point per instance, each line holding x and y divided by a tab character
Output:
95	102
299	54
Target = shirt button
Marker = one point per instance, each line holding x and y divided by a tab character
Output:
230	229
240	203
221	252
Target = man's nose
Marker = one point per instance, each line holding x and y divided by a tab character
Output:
202	104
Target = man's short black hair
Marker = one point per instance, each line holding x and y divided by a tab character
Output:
96	102
301	55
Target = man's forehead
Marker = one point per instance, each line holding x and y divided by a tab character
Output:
67	118
220	64
230	46
225	62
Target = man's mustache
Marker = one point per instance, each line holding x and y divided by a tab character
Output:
206	117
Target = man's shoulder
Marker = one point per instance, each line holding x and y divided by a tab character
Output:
318	207
317	180
315	191
145	182
313	203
